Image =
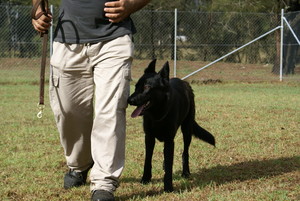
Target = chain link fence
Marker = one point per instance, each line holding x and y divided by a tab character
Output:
205	36
201	37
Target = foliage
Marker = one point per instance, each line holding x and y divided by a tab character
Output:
209	35
203	5
244	6
27	2
220	5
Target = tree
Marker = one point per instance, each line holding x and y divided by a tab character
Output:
26	2
290	49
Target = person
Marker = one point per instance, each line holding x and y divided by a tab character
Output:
89	87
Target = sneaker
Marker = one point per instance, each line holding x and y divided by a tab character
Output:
75	179
102	195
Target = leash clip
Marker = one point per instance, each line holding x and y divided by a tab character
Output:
41	110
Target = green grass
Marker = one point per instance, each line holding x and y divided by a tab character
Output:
254	117
257	157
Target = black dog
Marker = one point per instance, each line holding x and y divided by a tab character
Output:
165	105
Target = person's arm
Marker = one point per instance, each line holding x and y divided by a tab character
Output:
43	23
117	11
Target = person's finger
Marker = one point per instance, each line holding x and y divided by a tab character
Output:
112	15
38	27
44	18
42	24
113	4
115	18
114	9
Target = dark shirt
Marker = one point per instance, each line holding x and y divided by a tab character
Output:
84	21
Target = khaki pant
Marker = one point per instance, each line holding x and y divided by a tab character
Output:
89	86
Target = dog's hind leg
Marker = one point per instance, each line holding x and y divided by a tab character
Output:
147	175
187	138
168	163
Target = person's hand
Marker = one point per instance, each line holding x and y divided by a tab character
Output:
116	11
43	23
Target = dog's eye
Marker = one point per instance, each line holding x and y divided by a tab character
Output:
147	87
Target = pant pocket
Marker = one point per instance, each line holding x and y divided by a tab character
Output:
54	77
124	88
53	91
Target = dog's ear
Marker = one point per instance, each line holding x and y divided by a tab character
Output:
151	67
165	71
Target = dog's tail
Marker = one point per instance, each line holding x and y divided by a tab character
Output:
203	134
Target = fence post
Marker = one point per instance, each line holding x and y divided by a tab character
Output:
51	33
175	41
281	45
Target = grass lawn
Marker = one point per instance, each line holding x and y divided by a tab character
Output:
257	155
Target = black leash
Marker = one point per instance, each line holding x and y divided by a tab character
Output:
43	4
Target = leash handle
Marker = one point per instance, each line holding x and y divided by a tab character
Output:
43	4
44	7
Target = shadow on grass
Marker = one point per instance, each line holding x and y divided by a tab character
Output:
219	175
247	170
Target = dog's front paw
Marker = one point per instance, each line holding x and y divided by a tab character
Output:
168	189
186	174
145	180
168	185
